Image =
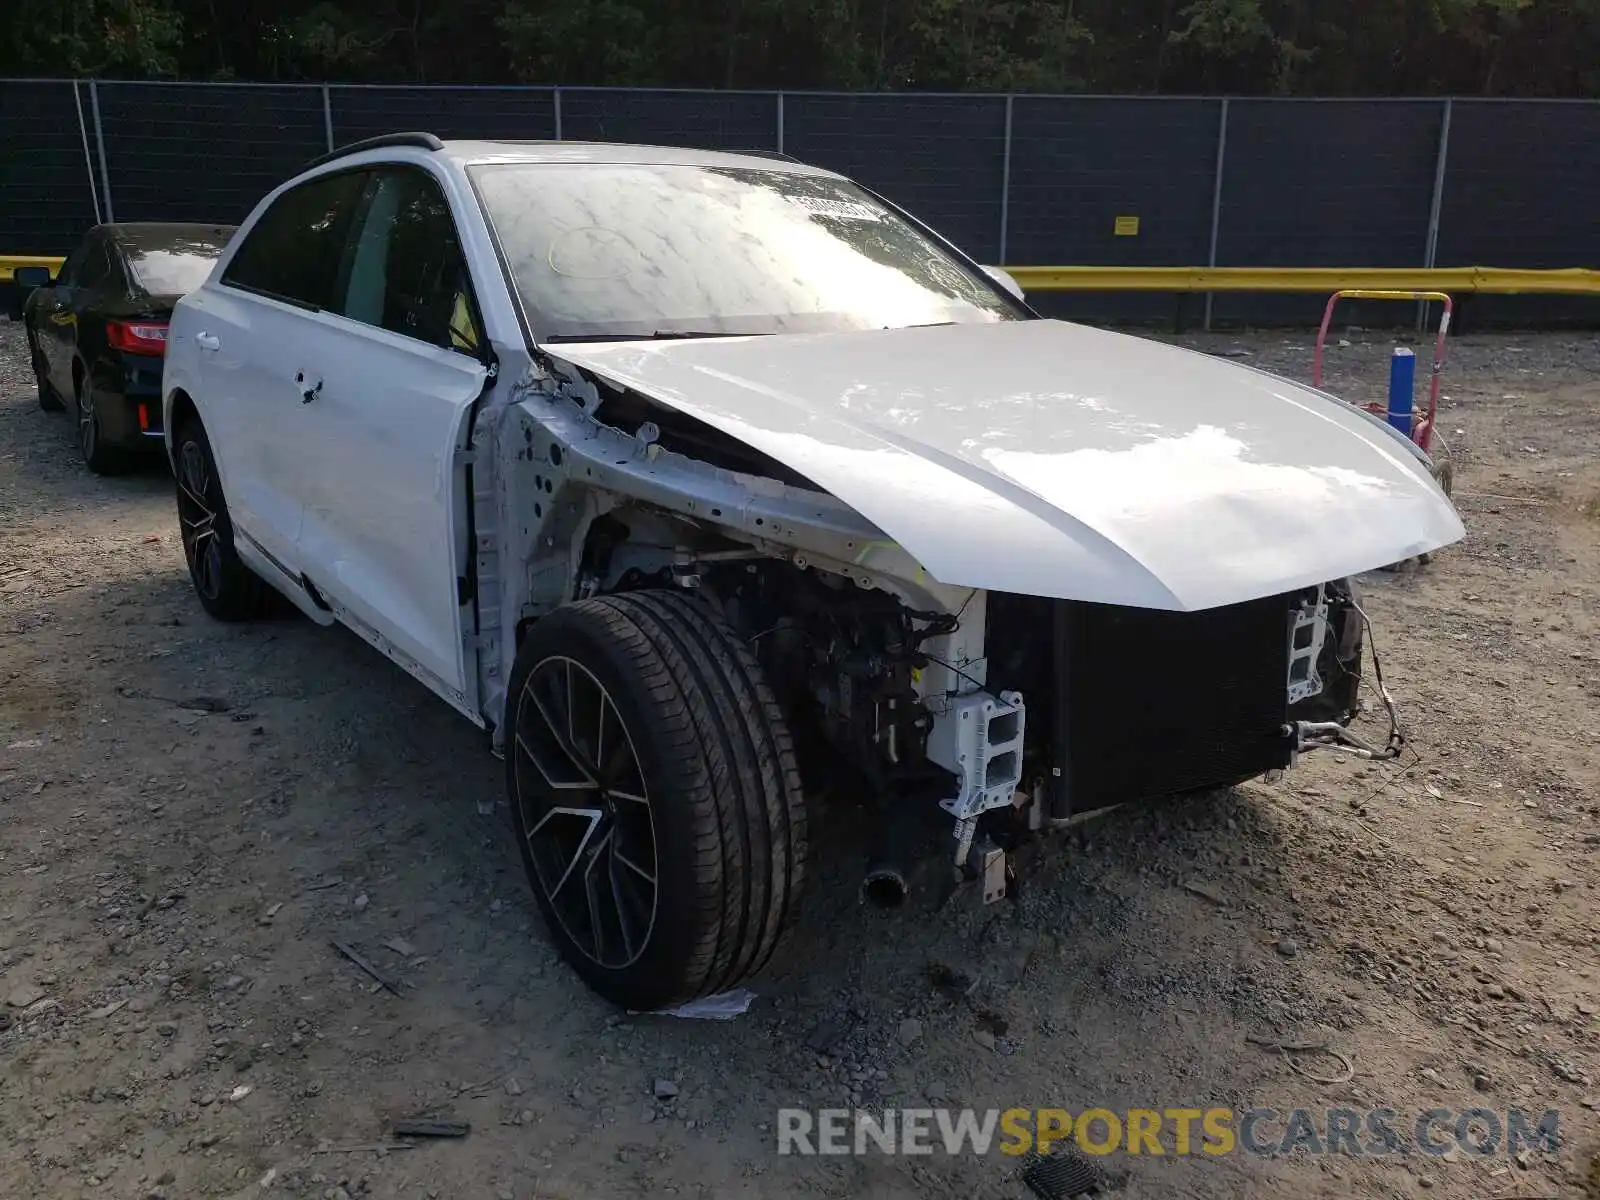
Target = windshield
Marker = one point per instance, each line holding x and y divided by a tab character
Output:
175	270
639	250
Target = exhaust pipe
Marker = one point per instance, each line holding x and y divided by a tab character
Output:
886	883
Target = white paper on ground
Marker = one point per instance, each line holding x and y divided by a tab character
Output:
724	1006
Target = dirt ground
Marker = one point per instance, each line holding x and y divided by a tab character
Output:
191	813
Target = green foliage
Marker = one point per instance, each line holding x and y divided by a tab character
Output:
1287	47
1226	28
548	40
139	38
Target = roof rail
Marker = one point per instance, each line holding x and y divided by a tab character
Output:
421	141
778	154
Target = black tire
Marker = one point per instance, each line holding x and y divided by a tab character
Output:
48	399
1444	474
99	457
716	770
227	589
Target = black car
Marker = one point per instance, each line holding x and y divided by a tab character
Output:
98	331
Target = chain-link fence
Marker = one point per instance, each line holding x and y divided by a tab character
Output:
1031	180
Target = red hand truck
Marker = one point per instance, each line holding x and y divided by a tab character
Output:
1423	427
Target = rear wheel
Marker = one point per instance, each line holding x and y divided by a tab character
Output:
655	796
228	590
99	457
49	400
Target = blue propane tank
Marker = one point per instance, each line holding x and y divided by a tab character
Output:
1402	388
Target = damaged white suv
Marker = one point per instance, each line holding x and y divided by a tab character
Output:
658	463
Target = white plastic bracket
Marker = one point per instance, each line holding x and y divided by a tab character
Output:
978	738
1307	632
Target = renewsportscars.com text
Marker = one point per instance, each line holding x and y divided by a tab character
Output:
1370	1133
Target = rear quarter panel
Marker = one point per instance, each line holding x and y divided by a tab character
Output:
178	369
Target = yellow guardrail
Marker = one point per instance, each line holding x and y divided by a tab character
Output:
10	262
1572	281
1575	281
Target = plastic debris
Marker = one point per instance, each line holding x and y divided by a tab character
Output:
724	1006
354	956
431	1127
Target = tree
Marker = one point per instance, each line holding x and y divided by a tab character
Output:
1271	47
141	38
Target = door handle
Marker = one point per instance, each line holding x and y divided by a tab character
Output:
208	341
308	393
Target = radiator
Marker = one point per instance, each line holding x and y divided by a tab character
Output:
1152	703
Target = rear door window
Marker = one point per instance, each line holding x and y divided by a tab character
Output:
406	271
98	273
294	251
73	267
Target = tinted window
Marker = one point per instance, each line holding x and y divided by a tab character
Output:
175	269
98	271
294	250
620	250
73	267
406	270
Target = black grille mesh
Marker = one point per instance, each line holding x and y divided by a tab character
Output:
1164	702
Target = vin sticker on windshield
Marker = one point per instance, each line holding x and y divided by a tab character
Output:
847	210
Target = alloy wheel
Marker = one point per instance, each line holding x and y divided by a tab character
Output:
584	807
197	520
88	424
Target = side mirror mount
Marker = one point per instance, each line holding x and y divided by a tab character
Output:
23	281
1006	280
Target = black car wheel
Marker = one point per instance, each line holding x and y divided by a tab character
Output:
655	796
228	590
49	400
99	457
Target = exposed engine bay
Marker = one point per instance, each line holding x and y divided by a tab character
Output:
1066	706
982	702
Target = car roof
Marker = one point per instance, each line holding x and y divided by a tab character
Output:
472	152
161	235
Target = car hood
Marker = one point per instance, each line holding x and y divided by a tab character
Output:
1053	459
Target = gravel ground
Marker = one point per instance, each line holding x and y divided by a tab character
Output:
176	1023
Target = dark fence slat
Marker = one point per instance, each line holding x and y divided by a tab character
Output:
1079	164
202	151
938	156
1305	182
1306	179
45	201
1314	183
731	121
500	113
1520	185
1521	182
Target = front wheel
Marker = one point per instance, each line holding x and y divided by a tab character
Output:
49	399
655	796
